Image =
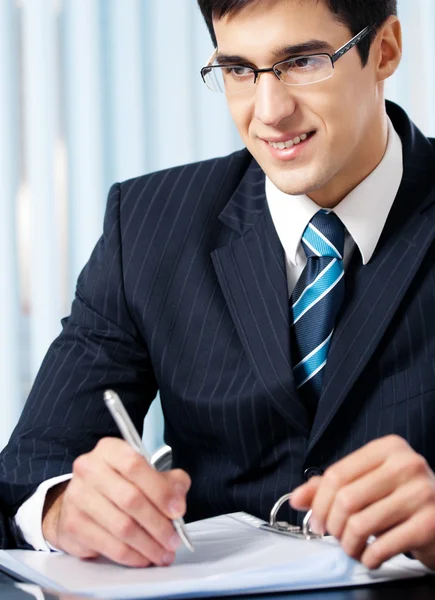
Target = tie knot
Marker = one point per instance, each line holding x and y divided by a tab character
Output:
324	236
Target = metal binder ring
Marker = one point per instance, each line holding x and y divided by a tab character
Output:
306	528
276	507
306	524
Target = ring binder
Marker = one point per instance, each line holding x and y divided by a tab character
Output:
285	528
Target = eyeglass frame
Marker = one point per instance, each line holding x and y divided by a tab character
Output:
333	58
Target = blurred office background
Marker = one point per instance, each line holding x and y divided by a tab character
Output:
97	91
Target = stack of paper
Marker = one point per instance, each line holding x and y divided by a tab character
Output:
232	556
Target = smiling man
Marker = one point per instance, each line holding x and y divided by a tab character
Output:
280	299
336	103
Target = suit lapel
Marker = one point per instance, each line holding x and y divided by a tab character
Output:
375	291
251	271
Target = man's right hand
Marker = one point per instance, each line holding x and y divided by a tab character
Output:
116	505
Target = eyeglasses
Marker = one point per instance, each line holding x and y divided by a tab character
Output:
299	70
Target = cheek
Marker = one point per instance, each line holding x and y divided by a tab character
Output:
242	115
338	113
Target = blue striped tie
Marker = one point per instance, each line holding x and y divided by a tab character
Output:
316	301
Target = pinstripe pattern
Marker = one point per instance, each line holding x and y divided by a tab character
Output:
186	293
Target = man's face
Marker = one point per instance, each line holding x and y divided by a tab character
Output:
341	115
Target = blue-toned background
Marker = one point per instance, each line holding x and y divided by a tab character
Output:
97	91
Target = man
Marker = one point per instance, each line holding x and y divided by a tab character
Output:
281	299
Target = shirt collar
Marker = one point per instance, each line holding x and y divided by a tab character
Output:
363	212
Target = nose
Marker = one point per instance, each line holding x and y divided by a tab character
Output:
274	101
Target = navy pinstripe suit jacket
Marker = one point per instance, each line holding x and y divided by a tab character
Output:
186	293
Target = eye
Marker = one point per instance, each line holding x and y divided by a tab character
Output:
302	63
237	72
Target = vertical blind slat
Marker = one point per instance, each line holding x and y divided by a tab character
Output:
84	118
40	121
9	302
170	83
127	123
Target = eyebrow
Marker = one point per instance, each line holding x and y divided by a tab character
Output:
291	50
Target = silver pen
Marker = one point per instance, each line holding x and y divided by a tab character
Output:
131	436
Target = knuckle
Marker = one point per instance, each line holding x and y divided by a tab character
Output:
426	491
357	527
181	478
419	464
103	445
132	462
411	465
131	500
333	477
396	442
80	465
125	528
345	500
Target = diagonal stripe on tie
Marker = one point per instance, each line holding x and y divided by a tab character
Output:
316	301
318	239
312	363
315	292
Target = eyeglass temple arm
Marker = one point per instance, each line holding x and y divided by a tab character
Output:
212	58
353	42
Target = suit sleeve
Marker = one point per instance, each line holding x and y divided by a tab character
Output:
99	348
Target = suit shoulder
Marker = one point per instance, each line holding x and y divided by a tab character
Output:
195	174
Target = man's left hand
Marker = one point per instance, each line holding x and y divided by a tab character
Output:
384	489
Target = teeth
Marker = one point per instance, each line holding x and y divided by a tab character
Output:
290	143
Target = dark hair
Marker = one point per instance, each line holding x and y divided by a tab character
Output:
355	14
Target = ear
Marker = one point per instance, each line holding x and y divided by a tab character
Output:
388	48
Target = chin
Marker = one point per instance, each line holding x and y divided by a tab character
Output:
296	185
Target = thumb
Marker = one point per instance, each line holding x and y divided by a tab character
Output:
303	496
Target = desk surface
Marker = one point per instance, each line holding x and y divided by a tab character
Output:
416	589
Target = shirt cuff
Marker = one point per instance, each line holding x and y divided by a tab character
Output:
29	515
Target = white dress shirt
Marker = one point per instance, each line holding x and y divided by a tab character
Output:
363	212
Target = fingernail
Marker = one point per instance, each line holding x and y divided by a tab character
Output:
168	558
316	527
175	541
175	508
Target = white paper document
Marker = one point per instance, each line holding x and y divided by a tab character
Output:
232	556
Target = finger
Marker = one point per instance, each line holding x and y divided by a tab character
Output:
379	518
121	525
352	467
354	497
76	549
398	471
302	496
133	503
416	532
80	526
166	492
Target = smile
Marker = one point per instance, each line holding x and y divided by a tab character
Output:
290	143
